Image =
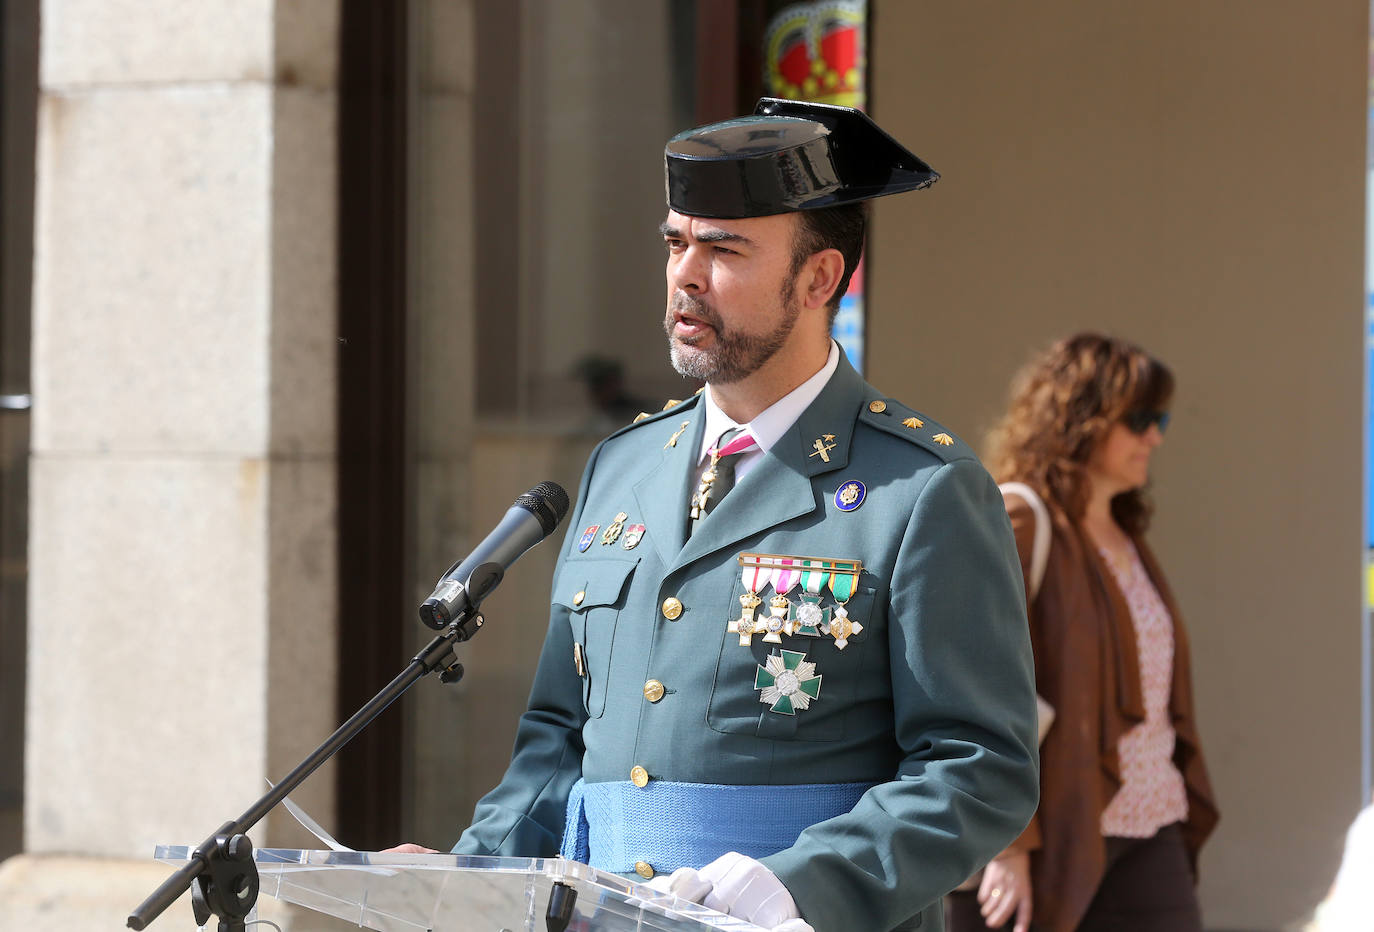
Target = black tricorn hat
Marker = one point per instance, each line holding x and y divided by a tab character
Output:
790	155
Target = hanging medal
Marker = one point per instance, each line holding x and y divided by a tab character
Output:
843	576
703	491
809	617
773	624
755	577
743	442
787	682
784	580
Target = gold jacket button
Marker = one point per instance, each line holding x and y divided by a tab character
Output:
581	594
639	776
653	690
672	608
643	869
877	407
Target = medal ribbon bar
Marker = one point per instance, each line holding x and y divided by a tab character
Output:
772	560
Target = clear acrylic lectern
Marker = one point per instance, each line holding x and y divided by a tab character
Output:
455	893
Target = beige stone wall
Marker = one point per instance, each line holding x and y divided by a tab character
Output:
1189	175
182	519
60	893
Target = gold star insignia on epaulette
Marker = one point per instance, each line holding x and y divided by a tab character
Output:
913	423
672	403
641	416
943	440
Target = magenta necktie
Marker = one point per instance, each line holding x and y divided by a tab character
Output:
719	476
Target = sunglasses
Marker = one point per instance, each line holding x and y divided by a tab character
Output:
1139	420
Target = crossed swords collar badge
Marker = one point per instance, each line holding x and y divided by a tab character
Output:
822	446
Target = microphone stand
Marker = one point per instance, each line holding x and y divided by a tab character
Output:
221	867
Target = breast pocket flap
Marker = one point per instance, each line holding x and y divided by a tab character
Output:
587	584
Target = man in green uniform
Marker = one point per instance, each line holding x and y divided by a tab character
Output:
809	703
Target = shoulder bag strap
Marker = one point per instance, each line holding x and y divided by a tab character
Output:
1040	545
1040	554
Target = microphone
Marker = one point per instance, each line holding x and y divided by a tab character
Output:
460	590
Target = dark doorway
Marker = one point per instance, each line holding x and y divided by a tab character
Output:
18	120
371	412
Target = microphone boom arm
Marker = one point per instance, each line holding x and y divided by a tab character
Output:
222	867
226	855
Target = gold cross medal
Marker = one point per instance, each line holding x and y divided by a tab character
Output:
841	626
746	626
708	477
788	682
765	572
703	490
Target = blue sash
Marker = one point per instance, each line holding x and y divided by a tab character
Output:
611	826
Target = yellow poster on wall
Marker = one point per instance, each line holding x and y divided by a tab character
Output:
819	51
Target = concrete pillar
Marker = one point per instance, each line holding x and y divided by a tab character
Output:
182	549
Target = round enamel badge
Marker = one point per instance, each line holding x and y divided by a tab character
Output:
850	495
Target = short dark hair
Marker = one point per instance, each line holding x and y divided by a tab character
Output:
841	228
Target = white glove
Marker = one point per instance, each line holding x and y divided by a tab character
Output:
744	888
684	883
794	925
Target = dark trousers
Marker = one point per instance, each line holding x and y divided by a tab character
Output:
1148	887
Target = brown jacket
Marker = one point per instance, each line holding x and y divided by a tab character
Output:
1086	666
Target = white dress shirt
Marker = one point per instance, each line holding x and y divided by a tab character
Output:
771	423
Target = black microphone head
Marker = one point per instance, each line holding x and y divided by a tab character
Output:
546	501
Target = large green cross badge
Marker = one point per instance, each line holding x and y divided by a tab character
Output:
788	681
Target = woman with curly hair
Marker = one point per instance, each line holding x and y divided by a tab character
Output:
1125	800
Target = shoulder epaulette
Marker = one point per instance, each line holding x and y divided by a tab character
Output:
895	418
648	416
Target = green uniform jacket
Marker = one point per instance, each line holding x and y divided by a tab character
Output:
933	701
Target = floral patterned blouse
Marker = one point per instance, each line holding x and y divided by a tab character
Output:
1152	793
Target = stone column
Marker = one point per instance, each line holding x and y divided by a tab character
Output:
182	550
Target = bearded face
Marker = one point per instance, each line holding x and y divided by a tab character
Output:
703	346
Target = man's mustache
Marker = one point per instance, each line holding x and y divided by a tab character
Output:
685	304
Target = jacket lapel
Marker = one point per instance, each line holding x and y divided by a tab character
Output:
664	492
779	487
